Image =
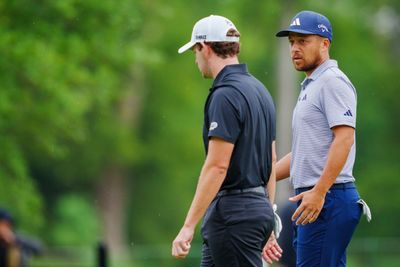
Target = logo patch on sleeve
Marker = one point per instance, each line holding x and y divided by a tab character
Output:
348	113
213	125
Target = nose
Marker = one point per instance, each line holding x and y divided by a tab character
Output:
294	47
294	50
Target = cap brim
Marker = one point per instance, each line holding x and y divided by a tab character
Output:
186	47
286	32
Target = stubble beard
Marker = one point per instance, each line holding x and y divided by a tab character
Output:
310	67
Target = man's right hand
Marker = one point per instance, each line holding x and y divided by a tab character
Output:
181	244
310	207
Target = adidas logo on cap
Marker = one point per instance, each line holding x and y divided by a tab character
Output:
295	22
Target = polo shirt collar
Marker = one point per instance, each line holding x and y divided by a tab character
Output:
227	70
330	63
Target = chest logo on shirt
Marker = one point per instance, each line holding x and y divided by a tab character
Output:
213	125
303	98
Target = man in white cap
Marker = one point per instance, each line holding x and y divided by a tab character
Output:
237	182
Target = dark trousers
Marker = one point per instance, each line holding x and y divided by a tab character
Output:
3	255
235	229
324	242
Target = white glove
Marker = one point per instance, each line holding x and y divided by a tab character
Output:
278	222
366	210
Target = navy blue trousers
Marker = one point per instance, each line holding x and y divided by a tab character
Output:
323	243
235	229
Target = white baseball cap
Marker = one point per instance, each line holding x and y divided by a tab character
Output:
210	29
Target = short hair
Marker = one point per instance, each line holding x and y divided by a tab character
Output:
225	49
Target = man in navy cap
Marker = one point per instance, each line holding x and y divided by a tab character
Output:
320	164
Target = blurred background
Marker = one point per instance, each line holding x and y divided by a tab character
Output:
101	119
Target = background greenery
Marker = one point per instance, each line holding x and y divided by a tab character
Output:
91	86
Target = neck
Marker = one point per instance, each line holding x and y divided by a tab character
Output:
220	63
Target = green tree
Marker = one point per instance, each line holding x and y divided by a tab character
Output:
66	68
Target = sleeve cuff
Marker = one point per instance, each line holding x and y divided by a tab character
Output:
222	136
346	123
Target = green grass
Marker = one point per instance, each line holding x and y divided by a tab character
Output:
369	252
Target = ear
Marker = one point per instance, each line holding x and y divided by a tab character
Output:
207	50
325	44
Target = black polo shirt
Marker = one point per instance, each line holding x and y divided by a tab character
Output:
240	110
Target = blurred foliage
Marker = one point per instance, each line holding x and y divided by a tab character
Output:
64	66
67	65
71	228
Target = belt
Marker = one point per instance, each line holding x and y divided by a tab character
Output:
259	190
333	187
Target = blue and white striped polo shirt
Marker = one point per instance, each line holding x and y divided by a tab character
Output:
327	99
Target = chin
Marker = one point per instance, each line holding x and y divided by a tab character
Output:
206	75
298	67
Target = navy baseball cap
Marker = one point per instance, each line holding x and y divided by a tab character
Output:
309	22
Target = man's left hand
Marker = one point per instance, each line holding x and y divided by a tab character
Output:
272	251
312	202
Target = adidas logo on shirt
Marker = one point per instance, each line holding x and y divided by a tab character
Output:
348	113
304	98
